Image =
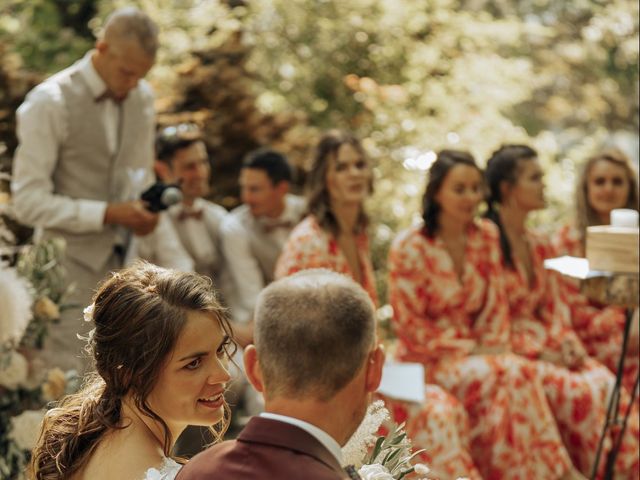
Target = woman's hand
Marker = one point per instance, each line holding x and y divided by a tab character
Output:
552	357
490	350
573	352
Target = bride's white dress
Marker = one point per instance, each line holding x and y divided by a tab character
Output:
168	471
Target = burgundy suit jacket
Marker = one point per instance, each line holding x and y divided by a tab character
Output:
266	450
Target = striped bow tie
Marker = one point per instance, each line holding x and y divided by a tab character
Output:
108	94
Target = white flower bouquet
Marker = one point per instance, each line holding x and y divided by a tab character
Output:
31	296
386	457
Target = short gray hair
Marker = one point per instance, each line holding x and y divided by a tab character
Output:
132	24
313	332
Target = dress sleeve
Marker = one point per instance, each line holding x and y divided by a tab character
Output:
41	129
491	325
425	336
307	247
554	312
587	318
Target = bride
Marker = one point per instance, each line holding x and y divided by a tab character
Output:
161	344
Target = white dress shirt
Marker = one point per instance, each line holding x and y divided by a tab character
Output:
42	126
323	437
237	230
201	236
161	247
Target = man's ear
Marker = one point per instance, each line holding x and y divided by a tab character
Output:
101	46
252	368
282	187
375	363
163	171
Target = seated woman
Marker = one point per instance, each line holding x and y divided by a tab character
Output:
451	314
161	344
577	387
608	181
333	236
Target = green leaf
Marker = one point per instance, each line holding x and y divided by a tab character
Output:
376	449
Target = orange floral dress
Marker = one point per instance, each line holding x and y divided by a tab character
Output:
440	320
600	327
309	246
440	425
541	322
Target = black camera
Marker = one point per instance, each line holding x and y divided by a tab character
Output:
161	196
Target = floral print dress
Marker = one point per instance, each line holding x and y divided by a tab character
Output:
440	425
600	327
441	319
541	321
309	246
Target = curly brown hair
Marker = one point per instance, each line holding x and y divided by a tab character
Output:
139	313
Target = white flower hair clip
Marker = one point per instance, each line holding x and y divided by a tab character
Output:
88	312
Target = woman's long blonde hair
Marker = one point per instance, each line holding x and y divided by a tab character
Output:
139	313
586	216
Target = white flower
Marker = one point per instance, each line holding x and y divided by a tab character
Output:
13	370
354	452
25	428
421	469
88	313
374	472
15	306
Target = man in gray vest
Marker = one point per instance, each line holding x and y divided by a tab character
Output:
85	155
254	233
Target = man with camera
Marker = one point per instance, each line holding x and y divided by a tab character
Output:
182	160
85	153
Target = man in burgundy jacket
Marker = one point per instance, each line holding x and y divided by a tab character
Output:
316	361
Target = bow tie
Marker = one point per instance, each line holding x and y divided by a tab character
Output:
108	94
184	214
270	227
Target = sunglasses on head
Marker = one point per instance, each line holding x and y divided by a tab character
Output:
179	132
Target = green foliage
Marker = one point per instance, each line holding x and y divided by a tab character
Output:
394	452
414	78
40	265
12	402
409	77
47	34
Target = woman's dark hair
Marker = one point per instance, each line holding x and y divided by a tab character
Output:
139	313
504	166
445	161
319	202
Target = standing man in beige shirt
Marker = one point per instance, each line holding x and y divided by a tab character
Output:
85	155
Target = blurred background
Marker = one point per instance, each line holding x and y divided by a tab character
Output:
408	76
